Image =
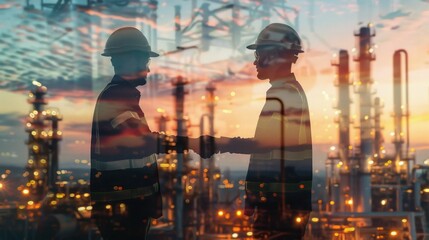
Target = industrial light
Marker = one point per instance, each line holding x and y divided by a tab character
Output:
220	213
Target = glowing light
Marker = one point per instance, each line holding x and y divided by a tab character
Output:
383	202
234	235
1	185
220	213
164	165
36	83
108	206
401	163
232	94
239	213
25	191
30	203
404	220
315	219
349	229
370	162
394	233
331	202
249	234
349	202
332	148
160	110
426	190
80	209
298	219
60	195
89	208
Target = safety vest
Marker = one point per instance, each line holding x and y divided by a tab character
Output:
123	165
264	173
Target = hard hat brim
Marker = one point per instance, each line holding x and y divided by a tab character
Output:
109	54
256	46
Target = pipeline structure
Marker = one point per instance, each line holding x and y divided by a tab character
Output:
372	194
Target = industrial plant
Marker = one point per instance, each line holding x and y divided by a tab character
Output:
373	188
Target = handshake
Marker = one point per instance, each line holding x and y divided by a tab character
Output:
205	145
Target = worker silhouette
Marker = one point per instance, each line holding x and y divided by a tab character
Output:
125	190
279	177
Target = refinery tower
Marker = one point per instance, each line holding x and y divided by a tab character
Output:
372	194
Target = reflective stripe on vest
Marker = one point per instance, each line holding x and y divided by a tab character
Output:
277	187
124	164
121	118
125	194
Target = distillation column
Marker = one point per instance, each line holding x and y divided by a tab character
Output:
343	128
398	114
364	58
179	93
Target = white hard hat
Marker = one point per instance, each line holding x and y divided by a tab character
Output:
278	35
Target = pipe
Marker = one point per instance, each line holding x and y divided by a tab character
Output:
398	114
416	185
282	150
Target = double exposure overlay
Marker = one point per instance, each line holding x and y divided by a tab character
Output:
214	119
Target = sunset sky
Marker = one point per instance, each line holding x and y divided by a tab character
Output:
63	53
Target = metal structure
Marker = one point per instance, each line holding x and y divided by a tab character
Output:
42	164
371	194
52	203
214	29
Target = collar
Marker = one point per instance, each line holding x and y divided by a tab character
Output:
280	82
